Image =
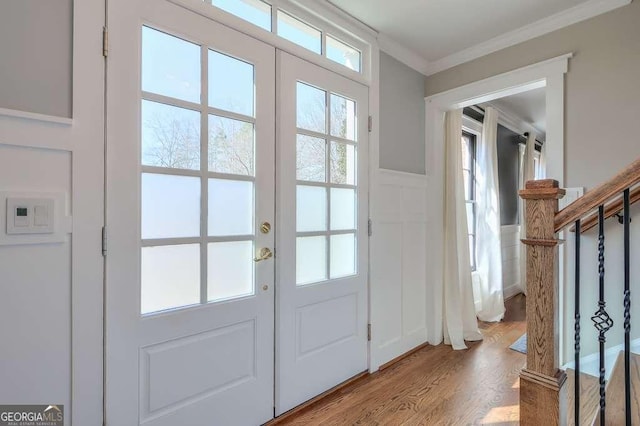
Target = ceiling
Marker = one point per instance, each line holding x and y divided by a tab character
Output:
527	106
438	30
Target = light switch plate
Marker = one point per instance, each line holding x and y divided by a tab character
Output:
56	216
30	216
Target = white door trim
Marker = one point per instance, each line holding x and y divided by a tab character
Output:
548	74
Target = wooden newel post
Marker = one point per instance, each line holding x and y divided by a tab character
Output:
542	392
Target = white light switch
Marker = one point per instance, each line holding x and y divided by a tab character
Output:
30	216
41	216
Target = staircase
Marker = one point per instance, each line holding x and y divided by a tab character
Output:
549	395
590	398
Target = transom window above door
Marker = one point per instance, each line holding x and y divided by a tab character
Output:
198	168
326	193
297	30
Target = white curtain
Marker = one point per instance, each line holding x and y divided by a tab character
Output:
488	234
460	321
527	172
542	165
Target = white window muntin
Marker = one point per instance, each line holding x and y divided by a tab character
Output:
358	37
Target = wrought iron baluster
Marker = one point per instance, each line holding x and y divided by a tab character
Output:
601	319
627	311
576	325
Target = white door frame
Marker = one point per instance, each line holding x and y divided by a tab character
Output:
548	74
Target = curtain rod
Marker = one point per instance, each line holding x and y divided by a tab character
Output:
481	110
526	136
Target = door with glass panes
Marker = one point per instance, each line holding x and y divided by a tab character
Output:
196	299
190	175
322	231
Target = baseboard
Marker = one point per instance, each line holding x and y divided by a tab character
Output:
590	364
401	357
512	290
306	405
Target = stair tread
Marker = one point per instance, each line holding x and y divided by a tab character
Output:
615	408
589	397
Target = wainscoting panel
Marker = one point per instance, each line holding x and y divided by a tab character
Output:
511	260
398	265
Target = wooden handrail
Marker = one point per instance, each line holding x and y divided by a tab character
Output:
610	210
627	178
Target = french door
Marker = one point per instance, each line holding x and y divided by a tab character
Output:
204	323
322	239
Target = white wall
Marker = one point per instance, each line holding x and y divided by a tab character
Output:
398	209
398	266
510	260
36	290
51	294
36	48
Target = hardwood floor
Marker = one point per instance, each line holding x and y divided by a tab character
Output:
436	385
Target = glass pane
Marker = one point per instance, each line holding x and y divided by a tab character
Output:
466	177
343	255
170	136
311	159
343	163
343	54
311	259
472	251
231	146
466	151
300	33
230	207
343	209
231	84
311	207
170	66
254	11
311	108
170	277
470	217
343	117
230	270
170	206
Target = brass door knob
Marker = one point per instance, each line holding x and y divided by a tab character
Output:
264	254
265	227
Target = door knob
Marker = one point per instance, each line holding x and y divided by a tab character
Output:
265	227
264	254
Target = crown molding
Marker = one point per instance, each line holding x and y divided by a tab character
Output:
402	54
552	23
333	14
513	121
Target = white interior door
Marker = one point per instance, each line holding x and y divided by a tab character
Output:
191	159
321	312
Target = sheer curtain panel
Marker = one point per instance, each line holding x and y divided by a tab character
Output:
459	316
488	246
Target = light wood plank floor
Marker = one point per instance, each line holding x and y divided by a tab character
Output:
436	385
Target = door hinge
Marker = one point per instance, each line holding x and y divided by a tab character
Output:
370	123
105	42
370	227
368	332
104	240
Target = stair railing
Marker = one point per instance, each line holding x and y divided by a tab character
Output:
543	396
